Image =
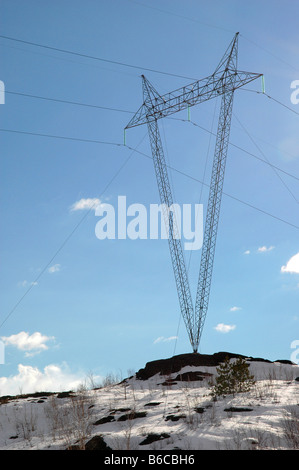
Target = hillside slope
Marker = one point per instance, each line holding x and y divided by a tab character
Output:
165	406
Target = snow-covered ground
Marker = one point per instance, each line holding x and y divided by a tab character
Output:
142	415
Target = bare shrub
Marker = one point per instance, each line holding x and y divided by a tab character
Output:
110	379
24	420
291	426
251	439
71	421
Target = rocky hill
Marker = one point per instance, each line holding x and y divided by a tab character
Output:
167	405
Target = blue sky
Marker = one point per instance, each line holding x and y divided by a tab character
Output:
72	304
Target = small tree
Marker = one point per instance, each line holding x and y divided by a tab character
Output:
232	378
243	379
224	380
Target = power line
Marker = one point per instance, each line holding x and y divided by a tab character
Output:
277	174
69	236
265	160
27	95
79	54
147	156
226	194
46	98
50	136
282	104
133	150
209	25
239	148
269	52
64	58
76	103
188	18
273	99
204	172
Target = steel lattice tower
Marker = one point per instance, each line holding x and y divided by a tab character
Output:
223	82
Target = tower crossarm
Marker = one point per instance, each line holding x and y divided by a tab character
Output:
197	92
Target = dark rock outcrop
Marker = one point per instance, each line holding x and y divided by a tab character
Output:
285	361
65	394
237	409
104	420
176	363
153	437
153	403
174	417
97	443
132	415
192	376
199	409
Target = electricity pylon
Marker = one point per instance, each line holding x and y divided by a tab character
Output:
223	82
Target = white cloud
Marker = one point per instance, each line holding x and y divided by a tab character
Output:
30	379
290	147
32	344
222	328
235	309
264	249
86	204
162	339
26	283
54	269
292	265
247	252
